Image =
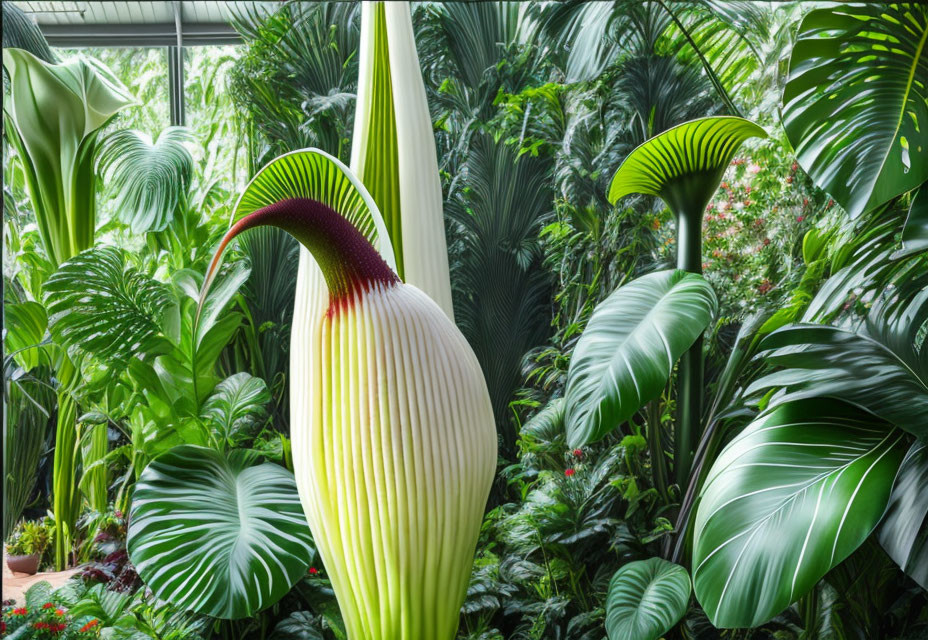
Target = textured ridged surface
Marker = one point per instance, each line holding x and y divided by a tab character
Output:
395	448
700	147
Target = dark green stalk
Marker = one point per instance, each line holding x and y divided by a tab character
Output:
689	380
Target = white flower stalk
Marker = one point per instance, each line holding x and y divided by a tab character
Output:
393	148
394	444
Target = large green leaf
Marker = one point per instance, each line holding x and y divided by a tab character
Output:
627	351
788	499
217	534
237	407
148	178
25	324
53	114
684	164
314	174
904	532
915	233
880	367
855	107
100	304
646	598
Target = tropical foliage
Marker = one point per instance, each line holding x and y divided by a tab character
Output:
676	325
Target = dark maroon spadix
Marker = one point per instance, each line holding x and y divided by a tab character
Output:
349	263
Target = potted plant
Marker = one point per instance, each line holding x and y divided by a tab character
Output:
26	546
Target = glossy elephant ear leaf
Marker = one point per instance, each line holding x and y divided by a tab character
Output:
855	107
787	500
646	598
316	175
684	164
628	350
217	534
904	532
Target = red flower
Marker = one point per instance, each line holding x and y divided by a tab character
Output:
789	179
59	612
2	626
90	625
805	202
313	571
569	472
765	286
830	204
21	611
578	453
800	218
48	605
794	167
724	185
766	241
747	203
40	625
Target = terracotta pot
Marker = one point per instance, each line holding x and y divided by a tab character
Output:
24	564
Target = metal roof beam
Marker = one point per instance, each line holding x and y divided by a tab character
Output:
139	35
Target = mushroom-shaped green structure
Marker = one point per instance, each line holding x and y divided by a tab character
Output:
683	166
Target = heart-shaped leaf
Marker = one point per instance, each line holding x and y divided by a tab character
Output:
904	532
788	499
646	598
217	534
628	350
855	107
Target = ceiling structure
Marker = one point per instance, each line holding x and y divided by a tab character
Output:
71	23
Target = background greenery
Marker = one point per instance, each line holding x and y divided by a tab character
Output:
535	106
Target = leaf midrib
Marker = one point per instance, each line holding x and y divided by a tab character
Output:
902	108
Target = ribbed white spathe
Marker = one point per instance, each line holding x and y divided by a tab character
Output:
394	447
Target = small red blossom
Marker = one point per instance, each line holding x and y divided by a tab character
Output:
794	166
789	179
764	286
759	222
313	571
766	241
59	612
40	625
747	203
90	625
705	265
20	611
569	472
578	453
830	204
2	626
724	185
800	218
48	605
805	202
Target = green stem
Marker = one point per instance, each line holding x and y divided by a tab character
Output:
65	500
689	384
